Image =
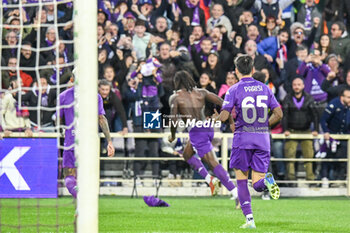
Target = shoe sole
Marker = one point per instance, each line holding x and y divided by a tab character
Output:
272	186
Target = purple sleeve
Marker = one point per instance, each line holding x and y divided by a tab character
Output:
228	101
273	103
61	100
302	69
325	69
101	111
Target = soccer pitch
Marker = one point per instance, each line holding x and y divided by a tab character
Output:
124	214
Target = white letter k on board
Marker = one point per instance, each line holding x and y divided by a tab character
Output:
7	166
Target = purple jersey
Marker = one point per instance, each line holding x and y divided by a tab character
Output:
251	100
66	98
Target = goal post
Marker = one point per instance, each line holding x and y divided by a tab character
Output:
87	140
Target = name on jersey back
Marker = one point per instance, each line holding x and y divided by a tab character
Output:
253	88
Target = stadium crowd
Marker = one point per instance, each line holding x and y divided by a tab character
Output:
300	47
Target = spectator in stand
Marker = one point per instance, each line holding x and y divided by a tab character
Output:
102	62
260	61
28	59
213	67
270	26
113	107
50	41
192	14
299	112
62	76
336	120
231	79
253	33
44	96
195	38
10	42
14	117
274	47
218	18
32	36
233	10
268	80
298	37
144	44
160	29
7	74
335	91
306	13
333	63
340	43
314	73
206	82
128	24
199	58
288	70
245	19
109	75
324	46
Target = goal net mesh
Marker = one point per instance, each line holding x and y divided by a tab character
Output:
37	61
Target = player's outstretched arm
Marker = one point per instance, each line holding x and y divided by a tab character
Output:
212	98
276	116
102	121
173	112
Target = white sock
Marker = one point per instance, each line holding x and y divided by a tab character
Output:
234	193
208	178
249	218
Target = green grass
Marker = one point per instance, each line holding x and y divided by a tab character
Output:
122	214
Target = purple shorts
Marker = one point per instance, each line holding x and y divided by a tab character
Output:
200	139
256	159
68	159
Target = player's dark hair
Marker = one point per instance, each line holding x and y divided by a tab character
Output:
183	79
259	76
344	90
244	64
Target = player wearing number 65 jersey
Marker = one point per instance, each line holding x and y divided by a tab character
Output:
251	143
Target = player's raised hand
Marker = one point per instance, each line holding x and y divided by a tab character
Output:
233	127
110	149
215	115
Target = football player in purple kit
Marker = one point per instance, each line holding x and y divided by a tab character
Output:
189	101
66	98
251	143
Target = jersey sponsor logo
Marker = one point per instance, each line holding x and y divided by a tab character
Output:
152	120
253	88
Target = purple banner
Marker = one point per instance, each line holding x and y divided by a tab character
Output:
28	168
